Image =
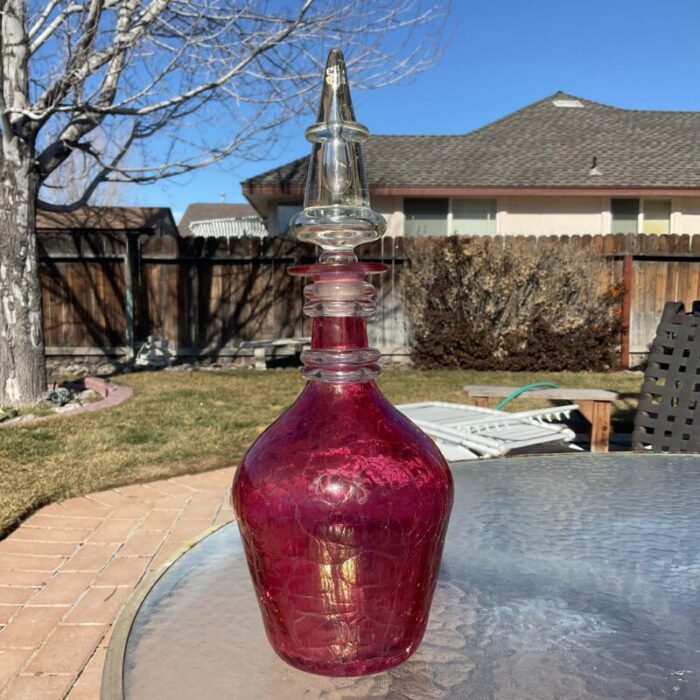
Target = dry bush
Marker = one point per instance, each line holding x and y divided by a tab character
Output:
509	303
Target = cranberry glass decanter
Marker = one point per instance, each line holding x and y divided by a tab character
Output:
342	502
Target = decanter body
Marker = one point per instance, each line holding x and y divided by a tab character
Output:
342	502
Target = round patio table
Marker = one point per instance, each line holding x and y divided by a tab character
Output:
564	576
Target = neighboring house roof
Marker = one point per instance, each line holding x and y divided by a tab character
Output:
548	144
106	218
252	226
207	211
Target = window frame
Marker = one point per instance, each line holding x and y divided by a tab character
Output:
424	199
449	219
640	220
637	217
299	204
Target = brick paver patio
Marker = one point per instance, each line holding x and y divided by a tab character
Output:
66	573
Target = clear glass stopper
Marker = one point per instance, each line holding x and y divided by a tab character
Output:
337	215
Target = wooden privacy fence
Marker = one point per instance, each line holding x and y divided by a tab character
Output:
208	295
105	291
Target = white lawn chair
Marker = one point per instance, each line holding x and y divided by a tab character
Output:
472	432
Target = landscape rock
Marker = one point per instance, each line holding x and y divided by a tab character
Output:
88	395
25	418
59	396
8	414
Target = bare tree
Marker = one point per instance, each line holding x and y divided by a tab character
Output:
186	83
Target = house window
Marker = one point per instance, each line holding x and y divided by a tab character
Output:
474	217
285	212
625	215
646	215
425	217
657	216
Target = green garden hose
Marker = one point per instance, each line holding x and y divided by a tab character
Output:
523	389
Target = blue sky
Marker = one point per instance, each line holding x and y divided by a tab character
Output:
502	55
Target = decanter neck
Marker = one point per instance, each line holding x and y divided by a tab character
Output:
338	333
339	299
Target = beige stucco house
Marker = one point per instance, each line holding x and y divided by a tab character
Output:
561	166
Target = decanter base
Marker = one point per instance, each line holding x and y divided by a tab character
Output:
351	668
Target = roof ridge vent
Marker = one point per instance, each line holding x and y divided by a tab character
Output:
567	102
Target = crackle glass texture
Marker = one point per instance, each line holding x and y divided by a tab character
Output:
343	507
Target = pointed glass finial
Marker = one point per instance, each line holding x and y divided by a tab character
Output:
337	214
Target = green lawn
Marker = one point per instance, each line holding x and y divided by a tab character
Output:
180	422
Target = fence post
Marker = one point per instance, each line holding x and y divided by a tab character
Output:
627	262
129	265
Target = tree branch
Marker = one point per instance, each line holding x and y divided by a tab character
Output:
97	179
53	26
41	19
186	75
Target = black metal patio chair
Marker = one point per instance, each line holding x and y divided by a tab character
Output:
668	413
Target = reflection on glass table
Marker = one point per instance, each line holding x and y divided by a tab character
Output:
564	576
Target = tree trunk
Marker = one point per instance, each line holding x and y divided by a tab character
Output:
22	361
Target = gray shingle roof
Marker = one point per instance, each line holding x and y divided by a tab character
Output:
541	145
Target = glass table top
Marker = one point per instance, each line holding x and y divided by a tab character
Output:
564	576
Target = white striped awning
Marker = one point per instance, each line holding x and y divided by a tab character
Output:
251	226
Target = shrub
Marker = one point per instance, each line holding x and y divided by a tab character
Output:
510	304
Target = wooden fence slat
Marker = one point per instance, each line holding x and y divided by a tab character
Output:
660	286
